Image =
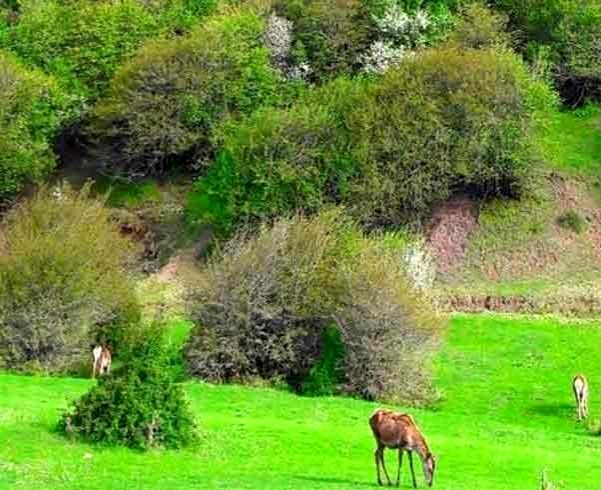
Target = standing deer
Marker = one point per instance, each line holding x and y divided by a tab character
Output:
102	360
580	387
398	431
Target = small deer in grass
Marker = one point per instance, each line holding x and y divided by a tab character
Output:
398	431
580	387
102	360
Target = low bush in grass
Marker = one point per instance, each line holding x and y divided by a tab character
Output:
83	42
264	303
164	104
574	221
138	405
32	109
444	121
64	281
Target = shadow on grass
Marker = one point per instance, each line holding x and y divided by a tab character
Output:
556	410
338	481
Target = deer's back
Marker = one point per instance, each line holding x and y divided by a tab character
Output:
393	429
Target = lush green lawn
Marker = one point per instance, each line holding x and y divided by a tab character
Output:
573	141
506	413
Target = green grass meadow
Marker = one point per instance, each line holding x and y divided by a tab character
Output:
506	412
573	142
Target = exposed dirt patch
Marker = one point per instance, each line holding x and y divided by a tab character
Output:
450	230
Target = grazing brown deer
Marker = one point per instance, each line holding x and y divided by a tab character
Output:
102	360
580	387
398	431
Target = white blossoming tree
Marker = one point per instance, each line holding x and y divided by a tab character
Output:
400	33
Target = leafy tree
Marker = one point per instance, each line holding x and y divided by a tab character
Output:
83	42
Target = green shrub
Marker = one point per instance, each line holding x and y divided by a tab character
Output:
164	105
32	109
444	121
281	160
574	221
63	281
138	405
464	123
83	42
264	303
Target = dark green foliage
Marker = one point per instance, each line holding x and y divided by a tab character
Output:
326	375
571	31
164	105
444	121
263	306
139	405
32	109
574	221
63	281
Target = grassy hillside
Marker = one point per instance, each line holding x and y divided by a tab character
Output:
545	247
506	413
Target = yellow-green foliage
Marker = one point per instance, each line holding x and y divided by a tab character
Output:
62	275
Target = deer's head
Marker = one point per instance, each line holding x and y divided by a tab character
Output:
429	467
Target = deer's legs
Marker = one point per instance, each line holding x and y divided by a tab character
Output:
398	475
377	456
412	470
384	466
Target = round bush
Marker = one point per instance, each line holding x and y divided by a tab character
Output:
264	305
444	121
32	109
164	105
139	405
63	278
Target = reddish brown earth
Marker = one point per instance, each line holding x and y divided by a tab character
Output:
450	230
